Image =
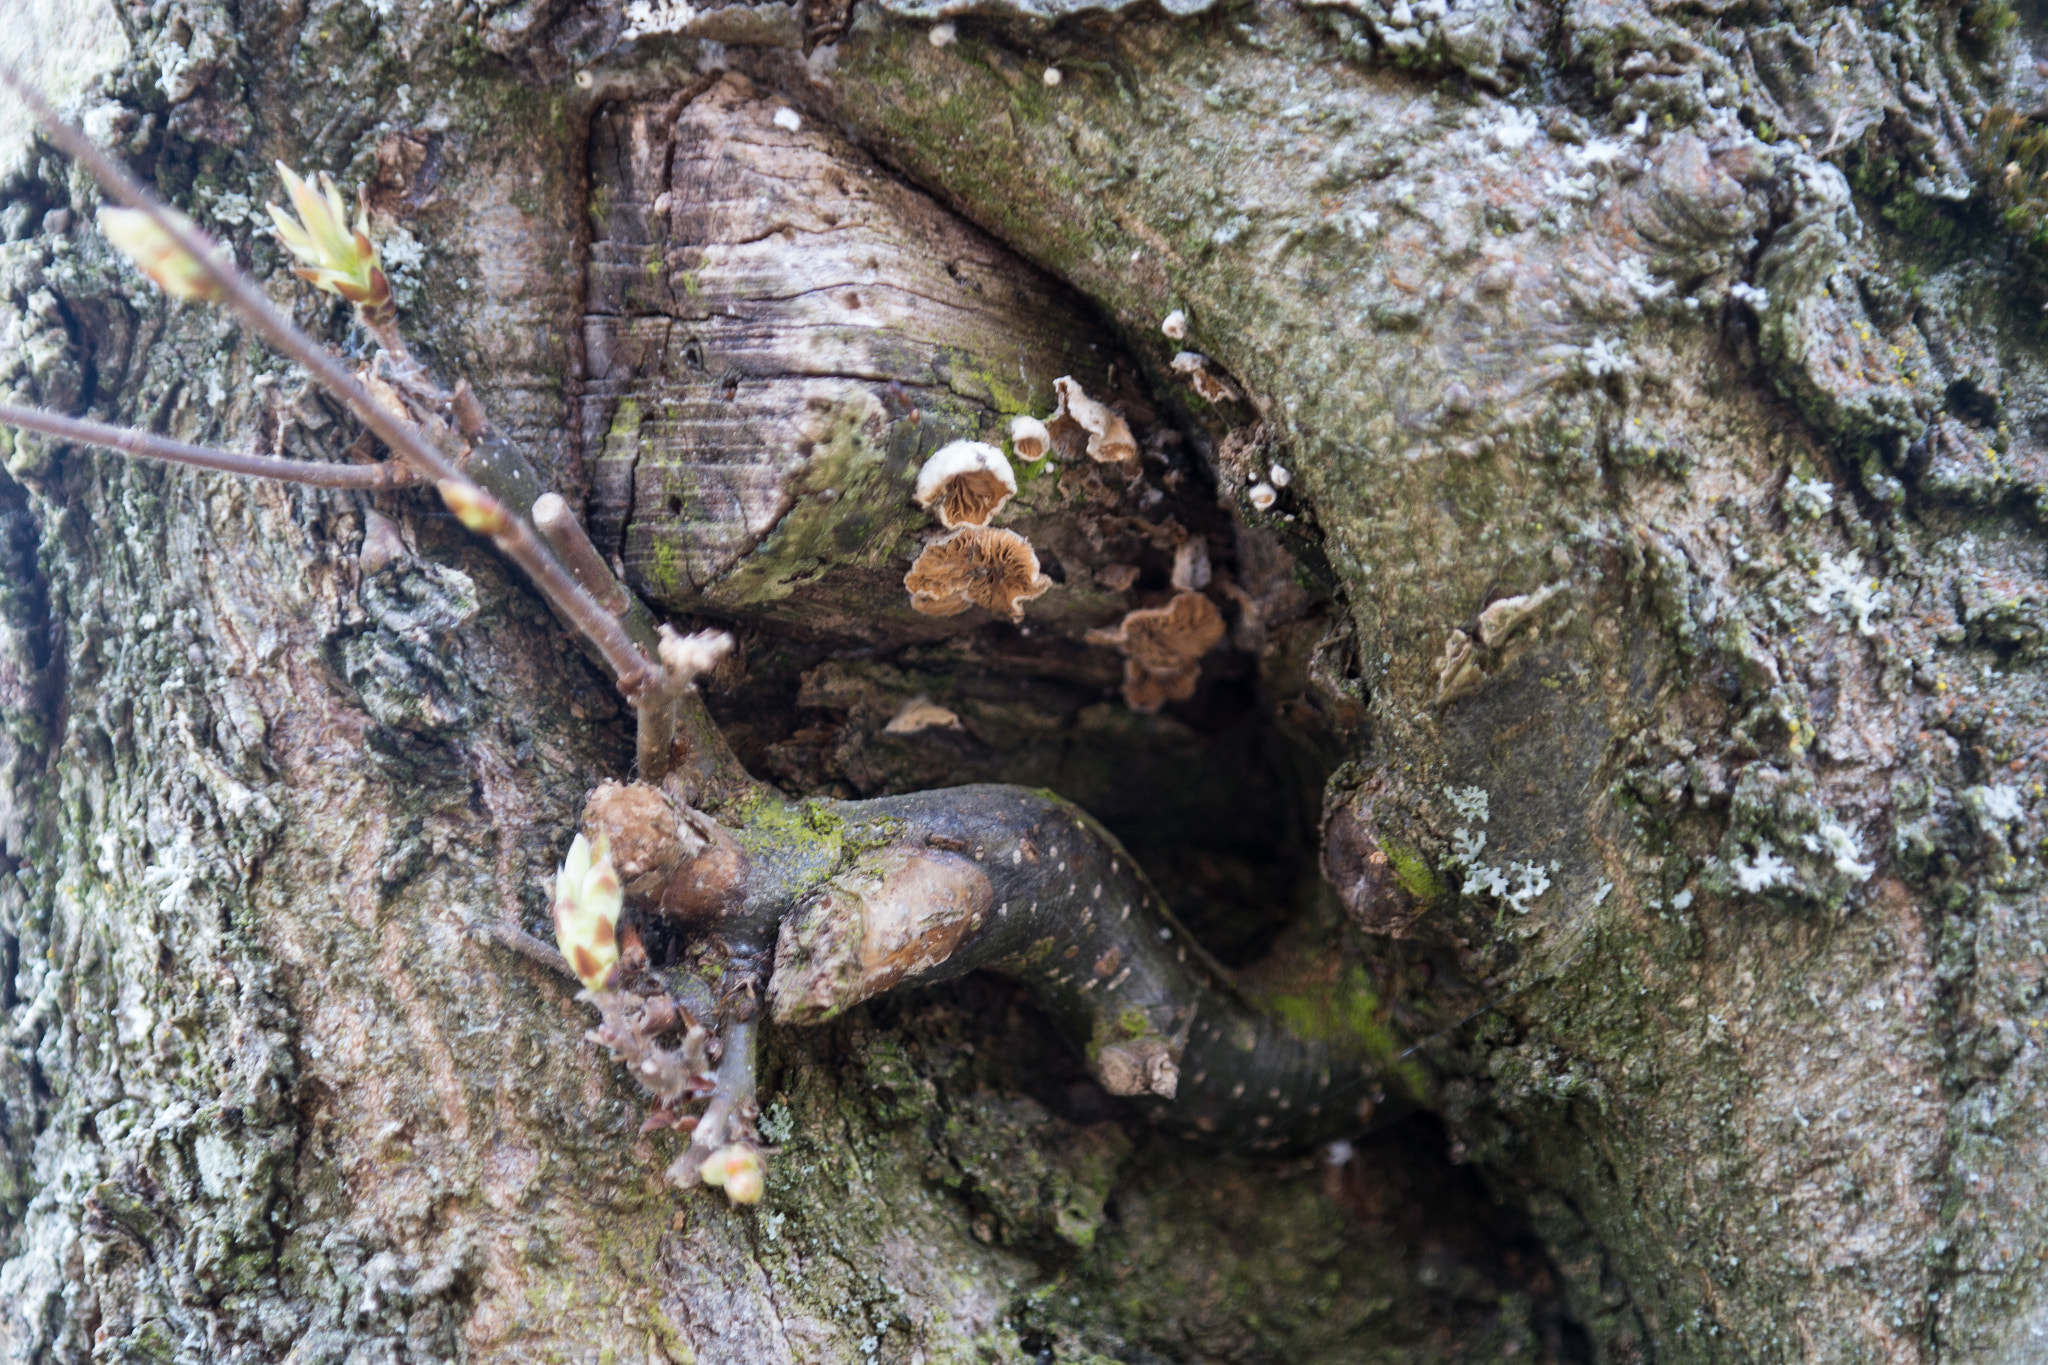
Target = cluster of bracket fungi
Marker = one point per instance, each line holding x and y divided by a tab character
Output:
763	908
966	483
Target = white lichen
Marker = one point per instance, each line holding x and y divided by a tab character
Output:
1841	585
2000	803
1604	358
1641	282
1534	881
1467	846
1513	132
1840	843
1596	152
1757	297
1809	499
1762	872
645	18
1485	881
1471	803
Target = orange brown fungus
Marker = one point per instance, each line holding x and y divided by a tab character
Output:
1109	435
971	499
976	566
1163	648
965	484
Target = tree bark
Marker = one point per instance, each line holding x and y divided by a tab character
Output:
1618	455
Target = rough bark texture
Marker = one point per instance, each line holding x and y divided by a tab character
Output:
1665	416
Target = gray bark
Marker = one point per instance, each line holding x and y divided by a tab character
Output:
1663	404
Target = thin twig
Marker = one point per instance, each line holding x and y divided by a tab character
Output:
507	527
534	950
149	446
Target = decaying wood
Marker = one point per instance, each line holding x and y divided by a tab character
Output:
264	1092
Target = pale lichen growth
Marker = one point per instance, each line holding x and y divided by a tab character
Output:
1841	585
1516	886
1604	358
1808	499
1471	803
1840	843
645	18
2001	803
1763	871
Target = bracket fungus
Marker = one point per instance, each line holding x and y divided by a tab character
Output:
976	566
688	935
1029	438
1163	648
965	484
1109	435
1195	366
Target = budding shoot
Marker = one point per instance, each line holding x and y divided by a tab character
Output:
588	899
156	253
334	255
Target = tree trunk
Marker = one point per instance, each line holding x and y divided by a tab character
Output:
1613	435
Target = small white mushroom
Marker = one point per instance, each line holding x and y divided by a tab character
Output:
1279	476
1052	75
1508	615
942	35
1457	672
1195	366
1175	325
1029	438
787	119
965	483
1262	495
921	713
1109	436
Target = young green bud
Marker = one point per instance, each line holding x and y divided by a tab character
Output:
588	899
738	1170
474	508
157	254
334	255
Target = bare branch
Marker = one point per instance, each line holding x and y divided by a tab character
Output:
477	508
149	446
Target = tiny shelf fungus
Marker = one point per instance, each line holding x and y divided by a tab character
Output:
696	904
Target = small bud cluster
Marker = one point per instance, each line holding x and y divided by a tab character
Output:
588	900
334	255
156	253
